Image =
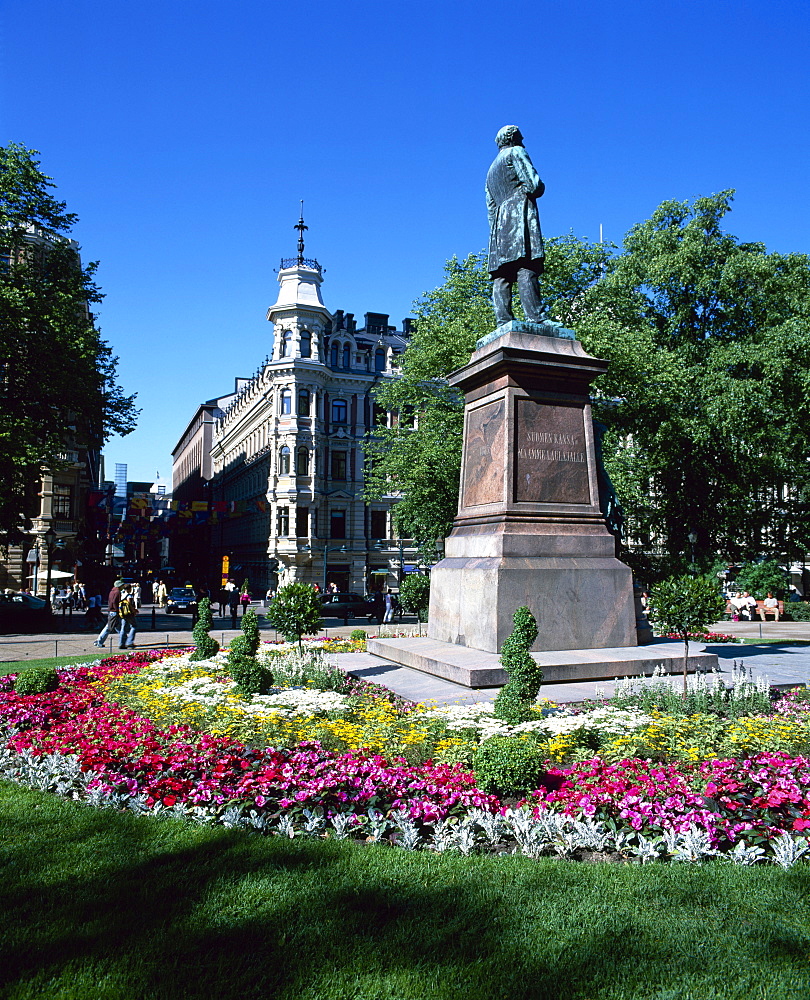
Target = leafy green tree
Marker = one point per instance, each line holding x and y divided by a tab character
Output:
516	698
414	594
706	397
682	605
50	350
206	645
295	612
759	578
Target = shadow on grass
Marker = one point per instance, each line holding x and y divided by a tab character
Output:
100	904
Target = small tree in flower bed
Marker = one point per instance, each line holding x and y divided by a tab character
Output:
682	605
516	698
414	594
295	612
206	645
251	676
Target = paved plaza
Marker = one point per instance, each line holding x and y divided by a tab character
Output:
781	656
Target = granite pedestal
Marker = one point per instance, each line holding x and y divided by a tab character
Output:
529	529
476	668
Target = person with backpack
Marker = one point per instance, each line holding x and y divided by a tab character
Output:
128	613
113	616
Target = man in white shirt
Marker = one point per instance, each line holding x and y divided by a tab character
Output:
749	605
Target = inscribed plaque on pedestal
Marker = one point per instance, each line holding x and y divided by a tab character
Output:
551	460
484	451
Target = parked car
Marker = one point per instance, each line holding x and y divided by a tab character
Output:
24	613
344	606
181	599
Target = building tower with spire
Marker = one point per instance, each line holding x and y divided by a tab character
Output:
285	485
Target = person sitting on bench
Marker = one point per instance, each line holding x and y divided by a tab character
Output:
770	606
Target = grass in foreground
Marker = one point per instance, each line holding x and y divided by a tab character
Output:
765	641
57	662
106	905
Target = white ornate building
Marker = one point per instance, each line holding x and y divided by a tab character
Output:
287	462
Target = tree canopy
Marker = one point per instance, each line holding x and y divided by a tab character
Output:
57	376
706	398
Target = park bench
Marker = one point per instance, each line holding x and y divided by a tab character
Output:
731	610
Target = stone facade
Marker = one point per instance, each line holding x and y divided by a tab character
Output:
286	456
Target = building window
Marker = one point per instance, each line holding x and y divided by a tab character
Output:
306	344
379	360
301	522
339	464
283	521
303	403
379	524
302	462
286	401
333	356
284	346
340	412
337	524
61	501
379	415
347	356
284	461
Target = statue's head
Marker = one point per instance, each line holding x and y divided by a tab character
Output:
509	135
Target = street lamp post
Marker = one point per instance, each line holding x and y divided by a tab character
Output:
50	544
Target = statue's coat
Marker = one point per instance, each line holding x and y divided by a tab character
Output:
513	186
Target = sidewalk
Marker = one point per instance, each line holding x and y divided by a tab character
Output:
783	662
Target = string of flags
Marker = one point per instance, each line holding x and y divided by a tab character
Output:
157	517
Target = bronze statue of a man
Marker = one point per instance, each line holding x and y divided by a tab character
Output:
515	242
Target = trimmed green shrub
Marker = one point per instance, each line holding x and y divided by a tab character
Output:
797	611
508	766
414	595
251	677
247	643
206	645
358	635
516	698
295	612
36	680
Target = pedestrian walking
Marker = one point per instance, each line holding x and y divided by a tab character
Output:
128	613
233	604
113	618
390	607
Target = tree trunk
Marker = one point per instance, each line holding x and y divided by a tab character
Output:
685	663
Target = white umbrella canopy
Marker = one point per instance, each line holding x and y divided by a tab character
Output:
56	574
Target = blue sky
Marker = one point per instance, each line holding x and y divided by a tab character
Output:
184	132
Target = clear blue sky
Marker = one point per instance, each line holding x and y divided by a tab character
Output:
184	132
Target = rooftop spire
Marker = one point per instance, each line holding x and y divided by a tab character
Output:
301	260
300	226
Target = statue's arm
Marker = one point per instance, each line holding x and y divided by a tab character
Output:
491	207
527	175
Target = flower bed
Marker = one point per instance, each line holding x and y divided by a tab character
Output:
79	741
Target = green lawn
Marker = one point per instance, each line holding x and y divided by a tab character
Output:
54	661
774	642
105	905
